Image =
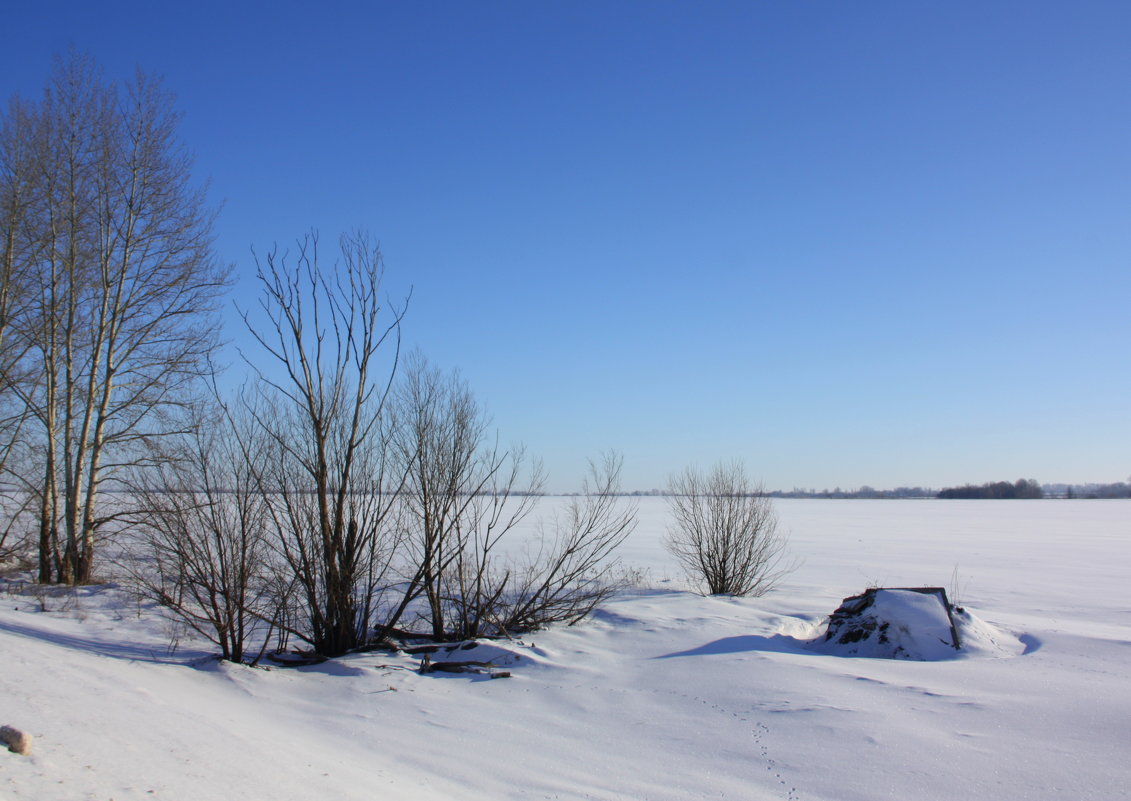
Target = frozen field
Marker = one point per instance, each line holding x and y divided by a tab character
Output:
663	695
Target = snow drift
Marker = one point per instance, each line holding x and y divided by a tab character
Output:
662	696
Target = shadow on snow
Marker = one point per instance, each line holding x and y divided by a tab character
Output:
112	650
777	643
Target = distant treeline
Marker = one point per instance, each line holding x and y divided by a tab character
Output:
864	492
998	489
1070	491
1002	489
1117	490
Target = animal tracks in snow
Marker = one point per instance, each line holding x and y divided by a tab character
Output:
758	731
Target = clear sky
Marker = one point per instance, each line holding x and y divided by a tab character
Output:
882	243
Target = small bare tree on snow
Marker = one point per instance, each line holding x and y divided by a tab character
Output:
725	531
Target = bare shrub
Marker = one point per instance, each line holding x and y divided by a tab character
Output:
567	571
200	541
576	569
464	495
725	531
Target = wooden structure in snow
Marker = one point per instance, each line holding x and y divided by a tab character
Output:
894	622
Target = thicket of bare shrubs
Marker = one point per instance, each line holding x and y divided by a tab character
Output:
336	501
341	505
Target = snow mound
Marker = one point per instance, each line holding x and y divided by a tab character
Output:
979	638
912	624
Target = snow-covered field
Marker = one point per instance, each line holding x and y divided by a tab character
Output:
662	695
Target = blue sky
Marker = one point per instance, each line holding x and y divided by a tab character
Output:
881	243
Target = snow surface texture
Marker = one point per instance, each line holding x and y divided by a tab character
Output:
662	695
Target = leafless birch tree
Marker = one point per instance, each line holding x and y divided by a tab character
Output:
124	284
17	254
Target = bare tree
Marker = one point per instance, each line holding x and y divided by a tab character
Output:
200	544
725	531
123	283
323	468
17	254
